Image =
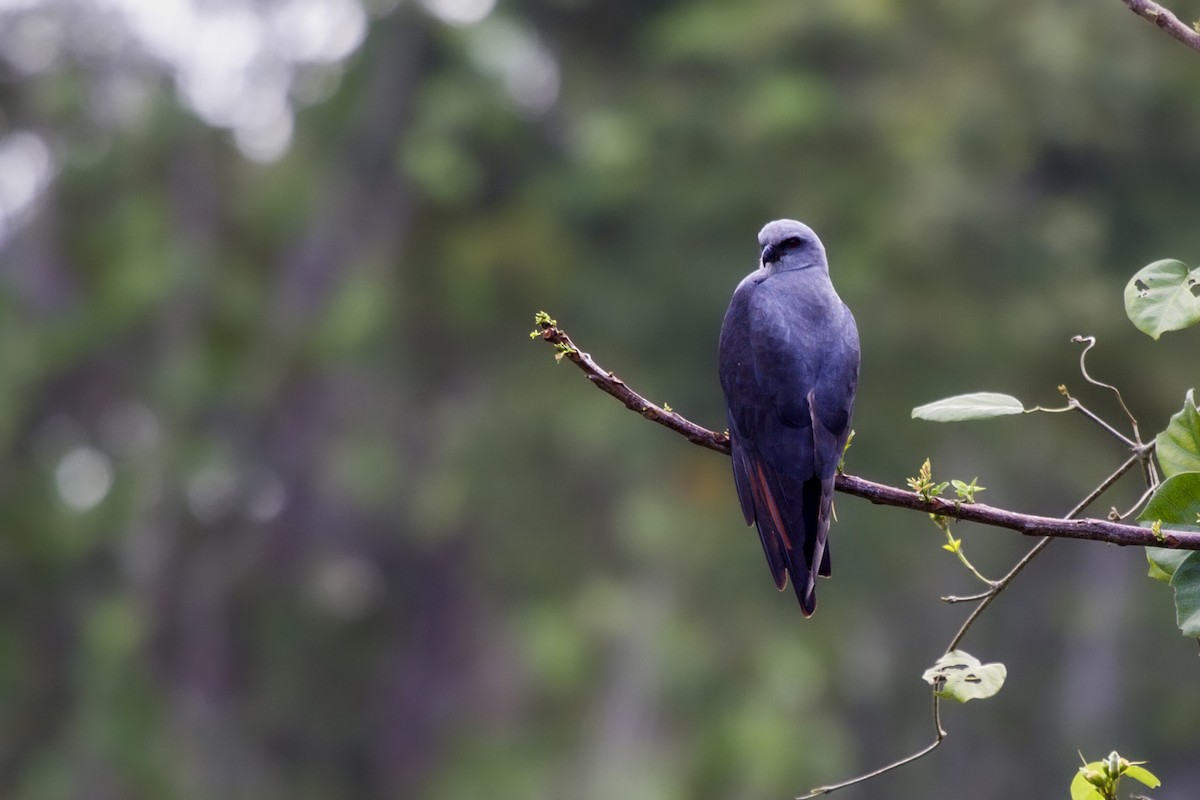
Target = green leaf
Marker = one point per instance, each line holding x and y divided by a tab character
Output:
1081	788
1143	775
960	676
1186	583
1163	296
1176	502
1178	447
1164	561
979	405
1100	779
966	491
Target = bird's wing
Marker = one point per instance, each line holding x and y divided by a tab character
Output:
788	499
831	401
756	500
830	406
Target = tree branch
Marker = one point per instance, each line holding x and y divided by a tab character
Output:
1028	524
1166	21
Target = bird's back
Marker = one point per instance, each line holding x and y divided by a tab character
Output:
789	367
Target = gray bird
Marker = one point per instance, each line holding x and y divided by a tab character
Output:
789	367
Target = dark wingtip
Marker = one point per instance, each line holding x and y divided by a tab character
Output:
806	595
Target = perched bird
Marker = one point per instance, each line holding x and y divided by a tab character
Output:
789	367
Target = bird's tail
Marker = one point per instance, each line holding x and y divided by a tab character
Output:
808	558
792	517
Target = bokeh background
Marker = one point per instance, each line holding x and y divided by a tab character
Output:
292	507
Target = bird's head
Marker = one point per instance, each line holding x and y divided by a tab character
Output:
787	244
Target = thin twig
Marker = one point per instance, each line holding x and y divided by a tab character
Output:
1166	21
1000	586
970	598
1116	434
1089	342
880	494
938	739
1143	450
1145	498
1104	486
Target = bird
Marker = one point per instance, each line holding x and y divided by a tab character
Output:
788	361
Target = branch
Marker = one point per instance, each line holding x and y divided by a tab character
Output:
1100	530
610	383
880	494
1166	21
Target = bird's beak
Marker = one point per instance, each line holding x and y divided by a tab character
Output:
769	255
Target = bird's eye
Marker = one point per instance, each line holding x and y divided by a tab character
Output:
791	243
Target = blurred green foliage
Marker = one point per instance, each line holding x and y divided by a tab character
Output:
333	527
